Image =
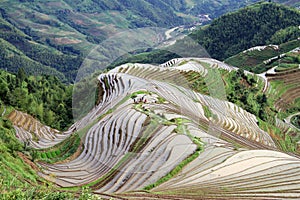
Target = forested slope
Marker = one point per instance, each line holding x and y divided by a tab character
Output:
44	97
255	25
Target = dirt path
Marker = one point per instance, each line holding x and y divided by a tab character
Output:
168	33
28	162
263	75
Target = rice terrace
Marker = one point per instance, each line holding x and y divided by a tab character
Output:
152	124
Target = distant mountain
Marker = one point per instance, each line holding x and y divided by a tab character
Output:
260	24
216	8
58	34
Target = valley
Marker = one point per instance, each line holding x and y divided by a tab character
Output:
36	32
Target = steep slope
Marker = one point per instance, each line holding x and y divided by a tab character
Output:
156	131
288	92
256	174
279	65
216	8
12	59
44	97
22	49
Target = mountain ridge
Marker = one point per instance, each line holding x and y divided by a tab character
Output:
58	34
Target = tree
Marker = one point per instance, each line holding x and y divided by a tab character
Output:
48	117
20	96
21	75
40	111
240	73
3	90
262	99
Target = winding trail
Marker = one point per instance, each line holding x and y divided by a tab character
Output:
263	76
168	33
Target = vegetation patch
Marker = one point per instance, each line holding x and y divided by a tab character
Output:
186	161
296	121
104	179
197	82
282	139
223	43
207	111
175	171
43	97
180	129
17	179
59	152
257	60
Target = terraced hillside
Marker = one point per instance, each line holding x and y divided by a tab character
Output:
151	131
284	81
257	174
289	94
259	59
31	131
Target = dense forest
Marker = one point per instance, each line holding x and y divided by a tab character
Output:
44	97
217	8
252	26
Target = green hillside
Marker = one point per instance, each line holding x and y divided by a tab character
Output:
21	50
257	27
12	59
216	8
253	120
18	177
251	26
256	60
